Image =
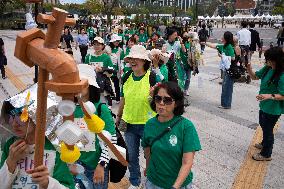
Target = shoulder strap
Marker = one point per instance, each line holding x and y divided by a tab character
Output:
126	76
99	109
152	78
168	129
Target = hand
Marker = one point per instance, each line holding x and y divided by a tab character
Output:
262	97
219	54
40	175
99	174
17	151
117	121
73	169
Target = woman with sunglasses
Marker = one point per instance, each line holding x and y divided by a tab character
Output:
271	97
169	153
134	109
17	162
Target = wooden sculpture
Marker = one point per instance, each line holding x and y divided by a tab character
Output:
33	47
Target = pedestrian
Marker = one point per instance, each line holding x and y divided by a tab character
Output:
227	54
115	57
134	110
155	42
271	97
169	152
91	33
244	36
66	41
143	36
126	66
104	69
3	59
203	36
17	162
255	39
94	158
83	42
280	35
159	60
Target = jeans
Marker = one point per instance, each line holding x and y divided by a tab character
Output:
133	136
150	185
188	77
227	90
202	48
89	173
83	50
267	123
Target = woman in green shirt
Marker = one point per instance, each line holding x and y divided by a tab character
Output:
271	97
169	157
227	53
104	68
143	36
126	66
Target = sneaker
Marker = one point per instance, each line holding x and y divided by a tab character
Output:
222	107
186	93
133	187
259	157
258	146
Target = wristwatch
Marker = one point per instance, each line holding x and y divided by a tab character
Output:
273	96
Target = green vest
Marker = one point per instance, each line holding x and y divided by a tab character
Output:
137	109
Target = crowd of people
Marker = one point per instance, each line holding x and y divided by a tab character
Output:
149	78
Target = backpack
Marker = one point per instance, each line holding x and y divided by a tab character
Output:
116	169
152	78
203	35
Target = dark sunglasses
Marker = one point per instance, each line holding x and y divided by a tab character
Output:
13	118
167	100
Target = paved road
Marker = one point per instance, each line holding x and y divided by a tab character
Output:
225	134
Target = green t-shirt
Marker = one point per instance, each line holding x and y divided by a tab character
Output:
51	158
143	38
92	158
103	60
165	72
184	56
91	32
227	50
274	107
124	53
167	152
129	32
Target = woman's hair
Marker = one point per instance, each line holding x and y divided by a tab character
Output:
147	65
276	55
1	42
175	92
94	94
170	31
155	33
229	38
133	39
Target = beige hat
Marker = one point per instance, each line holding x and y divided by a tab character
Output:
87	72
140	52
193	36
115	37
163	56
99	39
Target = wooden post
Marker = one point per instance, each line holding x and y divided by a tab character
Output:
40	117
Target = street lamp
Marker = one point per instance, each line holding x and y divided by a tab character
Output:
36	2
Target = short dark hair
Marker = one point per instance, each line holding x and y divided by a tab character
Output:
244	24
229	38
251	24
171	31
94	94
175	92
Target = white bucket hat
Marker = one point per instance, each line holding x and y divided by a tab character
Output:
163	56
193	36
87	72
99	39
115	37
140	52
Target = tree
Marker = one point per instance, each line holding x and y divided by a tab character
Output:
7	5
278	8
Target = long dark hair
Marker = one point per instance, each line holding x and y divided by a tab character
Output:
276	55
229	38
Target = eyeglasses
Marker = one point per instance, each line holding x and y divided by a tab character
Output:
166	100
17	119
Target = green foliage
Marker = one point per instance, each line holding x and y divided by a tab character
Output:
10	5
278	8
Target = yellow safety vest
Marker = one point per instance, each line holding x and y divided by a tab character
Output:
137	109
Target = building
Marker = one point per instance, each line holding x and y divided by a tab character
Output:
245	7
183	4
54	2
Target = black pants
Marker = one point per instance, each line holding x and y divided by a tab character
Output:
267	123
3	71
83	50
280	41
115	81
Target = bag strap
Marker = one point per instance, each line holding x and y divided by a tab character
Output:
99	109
168	129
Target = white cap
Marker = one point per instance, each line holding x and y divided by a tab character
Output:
115	37
99	39
87	72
